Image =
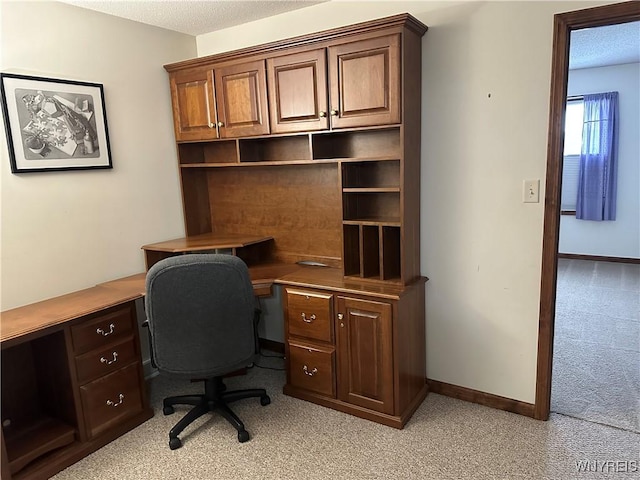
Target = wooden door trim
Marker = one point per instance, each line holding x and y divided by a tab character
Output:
564	23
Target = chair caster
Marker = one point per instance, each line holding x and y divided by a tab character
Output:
168	410
174	443
265	400
243	436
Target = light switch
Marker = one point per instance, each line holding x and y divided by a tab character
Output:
531	191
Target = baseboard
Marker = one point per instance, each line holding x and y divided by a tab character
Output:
481	398
447	389
598	258
271	345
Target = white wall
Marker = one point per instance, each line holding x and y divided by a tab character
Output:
620	238
481	246
64	231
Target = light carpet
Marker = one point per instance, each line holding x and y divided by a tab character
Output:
294	439
596	362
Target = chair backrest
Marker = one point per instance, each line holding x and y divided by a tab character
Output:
200	309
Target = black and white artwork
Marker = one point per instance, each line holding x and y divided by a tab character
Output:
54	124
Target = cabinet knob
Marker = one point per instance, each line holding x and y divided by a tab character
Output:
340	316
211	125
220	124
334	113
322	114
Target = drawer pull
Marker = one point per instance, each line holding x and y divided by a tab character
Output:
106	334
109	362
311	373
308	320
114	404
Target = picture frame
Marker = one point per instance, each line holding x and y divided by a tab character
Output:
54	124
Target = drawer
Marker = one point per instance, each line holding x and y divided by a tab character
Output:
103	361
310	314
111	399
102	330
312	367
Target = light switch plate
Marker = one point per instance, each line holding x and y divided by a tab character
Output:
531	191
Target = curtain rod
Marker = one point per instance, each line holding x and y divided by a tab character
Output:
575	97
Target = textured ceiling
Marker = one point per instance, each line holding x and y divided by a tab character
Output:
193	17
610	45
590	47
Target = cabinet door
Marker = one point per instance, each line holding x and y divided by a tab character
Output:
242	100
193	100
364	345
298	92
364	82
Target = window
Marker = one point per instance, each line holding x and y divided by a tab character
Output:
571	162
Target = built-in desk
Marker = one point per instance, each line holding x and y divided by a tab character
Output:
72	377
352	342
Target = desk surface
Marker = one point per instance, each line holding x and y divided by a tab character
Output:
206	241
40	316
37	318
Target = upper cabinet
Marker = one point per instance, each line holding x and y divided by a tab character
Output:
364	82
193	100
340	79
241	99
226	102
298	92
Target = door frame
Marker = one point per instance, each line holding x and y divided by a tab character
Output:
564	23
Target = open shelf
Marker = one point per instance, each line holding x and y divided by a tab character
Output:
371	206
220	152
275	149
39	437
371	175
357	144
38	411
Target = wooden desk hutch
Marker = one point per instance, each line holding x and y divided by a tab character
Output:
300	150
313	144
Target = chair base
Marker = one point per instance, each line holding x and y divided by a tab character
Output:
215	399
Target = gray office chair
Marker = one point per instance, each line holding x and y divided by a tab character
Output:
202	324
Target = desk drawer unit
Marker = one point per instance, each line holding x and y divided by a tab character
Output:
108	369
101	330
312	367
112	398
310	314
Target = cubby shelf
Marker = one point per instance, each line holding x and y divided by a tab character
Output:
383	222
256	164
370	145
372	190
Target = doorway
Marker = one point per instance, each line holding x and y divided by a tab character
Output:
563	25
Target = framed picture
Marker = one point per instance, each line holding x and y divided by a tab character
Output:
54	124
